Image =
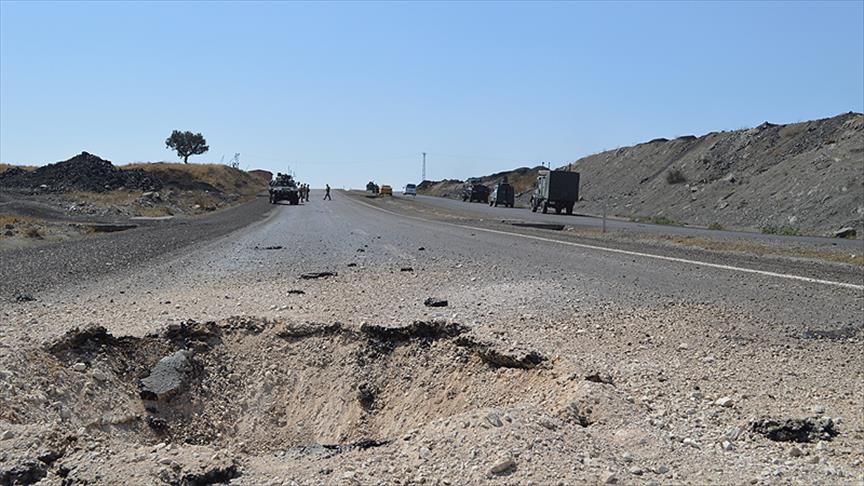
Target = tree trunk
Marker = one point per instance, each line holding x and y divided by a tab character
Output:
185	159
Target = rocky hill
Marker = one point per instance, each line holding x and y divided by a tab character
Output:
798	178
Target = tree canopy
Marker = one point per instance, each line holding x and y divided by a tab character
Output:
186	144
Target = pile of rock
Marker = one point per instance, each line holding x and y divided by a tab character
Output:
84	172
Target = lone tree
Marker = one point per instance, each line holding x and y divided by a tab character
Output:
186	144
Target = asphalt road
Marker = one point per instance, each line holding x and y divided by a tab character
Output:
590	221
484	273
74	262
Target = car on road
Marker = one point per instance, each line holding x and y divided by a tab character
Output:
385	190
502	194
410	190
474	190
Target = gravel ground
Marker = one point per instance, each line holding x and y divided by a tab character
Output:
651	372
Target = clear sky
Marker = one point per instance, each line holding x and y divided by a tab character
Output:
348	92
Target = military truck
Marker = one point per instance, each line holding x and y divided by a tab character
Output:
558	189
502	194
474	190
284	188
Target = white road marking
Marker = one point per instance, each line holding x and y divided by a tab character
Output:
631	253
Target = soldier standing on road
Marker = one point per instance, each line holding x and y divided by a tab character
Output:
307	192
327	192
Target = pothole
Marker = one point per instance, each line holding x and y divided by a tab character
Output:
260	386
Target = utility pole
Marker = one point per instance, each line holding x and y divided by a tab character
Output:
423	174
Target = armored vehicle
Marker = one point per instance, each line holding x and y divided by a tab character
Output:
474	190
284	188
502	194
558	189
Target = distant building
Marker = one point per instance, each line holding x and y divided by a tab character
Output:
264	175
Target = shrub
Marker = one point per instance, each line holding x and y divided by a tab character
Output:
658	220
675	176
781	230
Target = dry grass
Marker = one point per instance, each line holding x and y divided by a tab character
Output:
765	250
157	211
111	198
13	220
199	176
4	167
25	225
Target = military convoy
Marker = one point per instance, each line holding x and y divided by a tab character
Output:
556	189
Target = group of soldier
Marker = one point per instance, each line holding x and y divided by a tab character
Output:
304	192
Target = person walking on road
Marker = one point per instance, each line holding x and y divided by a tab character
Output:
327	192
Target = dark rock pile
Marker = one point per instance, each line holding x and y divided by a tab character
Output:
84	172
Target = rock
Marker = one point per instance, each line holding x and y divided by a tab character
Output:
503	466
727	446
732	433
494	419
424	453
661	469
6	435
406	269
818	410
724	402
24	298
79	367
795	430
690	442
435	302
635	471
610	478
683	347
167	378
795	452
845	232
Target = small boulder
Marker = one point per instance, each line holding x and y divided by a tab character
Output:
846	232
167	378
435	302
503	466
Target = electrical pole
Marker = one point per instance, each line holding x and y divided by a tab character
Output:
423	174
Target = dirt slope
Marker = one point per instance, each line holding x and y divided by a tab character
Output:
799	178
806	176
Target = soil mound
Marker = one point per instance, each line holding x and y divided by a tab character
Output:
84	172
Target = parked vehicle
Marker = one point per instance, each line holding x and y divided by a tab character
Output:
372	187
558	189
474	190
284	188
502	194
410	190
385	190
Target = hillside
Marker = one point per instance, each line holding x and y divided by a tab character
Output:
803	177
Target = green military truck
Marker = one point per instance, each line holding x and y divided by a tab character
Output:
558	189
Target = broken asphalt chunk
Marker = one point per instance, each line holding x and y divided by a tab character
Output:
313	275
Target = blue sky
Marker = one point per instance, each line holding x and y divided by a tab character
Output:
348	92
